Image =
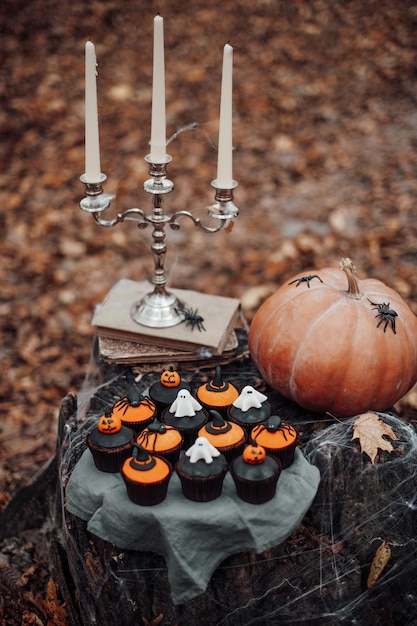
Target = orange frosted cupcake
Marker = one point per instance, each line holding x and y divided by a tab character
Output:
217	394
278	439
110	443
162	440
146	477
135	411
228	438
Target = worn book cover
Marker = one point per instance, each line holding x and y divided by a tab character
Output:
112	318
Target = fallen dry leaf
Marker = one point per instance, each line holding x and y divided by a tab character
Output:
381	558
370	429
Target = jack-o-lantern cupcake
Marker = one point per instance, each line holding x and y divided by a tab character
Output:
110	443
165	390
135	410
227	437
162	440
251	408
255	474
278	439
217	394
146	477
186	415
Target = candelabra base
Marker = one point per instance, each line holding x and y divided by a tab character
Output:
158	310
113	317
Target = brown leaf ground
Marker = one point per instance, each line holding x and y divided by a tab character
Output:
325	131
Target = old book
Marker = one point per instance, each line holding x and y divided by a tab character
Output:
133	353
112	319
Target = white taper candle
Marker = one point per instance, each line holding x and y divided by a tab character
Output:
158	122
225	149
92	144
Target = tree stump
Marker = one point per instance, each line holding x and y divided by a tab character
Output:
317	576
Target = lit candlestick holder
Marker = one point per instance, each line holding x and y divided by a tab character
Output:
159	308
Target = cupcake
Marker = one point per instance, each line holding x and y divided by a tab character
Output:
110	443
186	415
135	410
164	391
162	440
255	474
226	437
217	394
278	439
146	477
201	470
250	408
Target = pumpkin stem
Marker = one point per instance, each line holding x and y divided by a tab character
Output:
349	269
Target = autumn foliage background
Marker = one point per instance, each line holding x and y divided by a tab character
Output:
325	131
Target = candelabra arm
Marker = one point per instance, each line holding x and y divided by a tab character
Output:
224	210
174	224
159	308
126	215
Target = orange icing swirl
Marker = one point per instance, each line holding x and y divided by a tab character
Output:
157	473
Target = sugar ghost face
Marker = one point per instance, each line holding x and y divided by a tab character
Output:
249	398
202	449
185	405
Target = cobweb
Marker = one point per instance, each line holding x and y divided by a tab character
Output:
317	576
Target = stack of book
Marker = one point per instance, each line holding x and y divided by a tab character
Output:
122	340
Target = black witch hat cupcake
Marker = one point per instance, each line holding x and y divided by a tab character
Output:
217	394
146	477
227	437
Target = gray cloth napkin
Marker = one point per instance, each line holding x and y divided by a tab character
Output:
193	537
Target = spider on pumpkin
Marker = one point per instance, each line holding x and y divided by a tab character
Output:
305	279
386	314
191	318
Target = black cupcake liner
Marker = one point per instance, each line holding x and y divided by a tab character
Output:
110	460
137	427
285	455
256	491
147	494
201	489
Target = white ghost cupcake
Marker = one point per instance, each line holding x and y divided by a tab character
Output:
250	409
201	470
186	415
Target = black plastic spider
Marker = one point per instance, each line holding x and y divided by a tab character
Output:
386	314
191	318
305	279
153	430
274	424
133	398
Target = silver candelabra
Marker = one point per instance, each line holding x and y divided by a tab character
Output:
159	308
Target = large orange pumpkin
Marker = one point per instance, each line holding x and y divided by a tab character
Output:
336	344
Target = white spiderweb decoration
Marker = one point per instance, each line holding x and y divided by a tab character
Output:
318	576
